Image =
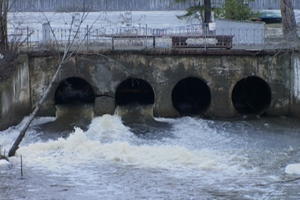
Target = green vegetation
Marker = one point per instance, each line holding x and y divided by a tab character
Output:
236	10
232	9
196	11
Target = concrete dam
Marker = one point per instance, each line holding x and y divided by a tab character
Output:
212	84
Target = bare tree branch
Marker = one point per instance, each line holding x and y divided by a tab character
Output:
65	57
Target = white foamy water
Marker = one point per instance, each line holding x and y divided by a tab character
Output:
8	136
4	163
108	139
195	157
293	169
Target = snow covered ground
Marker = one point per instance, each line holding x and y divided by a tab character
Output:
30	23
106	22
155	19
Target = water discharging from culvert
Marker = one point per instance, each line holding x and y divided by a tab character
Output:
67	117
191	158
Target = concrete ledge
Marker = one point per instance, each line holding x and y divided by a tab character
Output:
170	51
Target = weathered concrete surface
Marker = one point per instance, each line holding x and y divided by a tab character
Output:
105	105
221	70
295	85
15	95
162	69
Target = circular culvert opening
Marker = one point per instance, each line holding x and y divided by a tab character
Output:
191	96
74	91
251	95
134	91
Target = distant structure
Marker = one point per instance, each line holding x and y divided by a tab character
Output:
124	5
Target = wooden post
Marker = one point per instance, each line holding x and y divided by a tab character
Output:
146	34
87	37
46	29
22	167
27	36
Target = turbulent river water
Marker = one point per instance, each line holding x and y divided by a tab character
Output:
136	157
184	158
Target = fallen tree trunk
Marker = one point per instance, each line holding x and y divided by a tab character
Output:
22	133
66	56
4	158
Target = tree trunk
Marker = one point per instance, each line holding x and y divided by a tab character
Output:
4	158
288	20
4	5
66	56
21	135
207	11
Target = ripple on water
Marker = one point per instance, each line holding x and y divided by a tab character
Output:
197	158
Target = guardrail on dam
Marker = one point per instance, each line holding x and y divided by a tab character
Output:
212	83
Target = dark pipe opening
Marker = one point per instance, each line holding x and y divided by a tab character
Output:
74	91
251	95
134	91
191	96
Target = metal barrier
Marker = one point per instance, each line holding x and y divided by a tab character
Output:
225	35
245	33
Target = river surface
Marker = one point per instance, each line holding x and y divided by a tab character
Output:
184	158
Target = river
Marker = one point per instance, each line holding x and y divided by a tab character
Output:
184	158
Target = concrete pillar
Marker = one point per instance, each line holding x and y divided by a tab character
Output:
104	105
295	86
46	30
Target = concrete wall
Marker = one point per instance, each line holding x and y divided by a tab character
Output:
163	71
41	70
15	95
295	85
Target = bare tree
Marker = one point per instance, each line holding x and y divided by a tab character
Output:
68	52
70	48
4	7
10	44
288	20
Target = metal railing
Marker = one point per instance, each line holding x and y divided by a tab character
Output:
142	36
